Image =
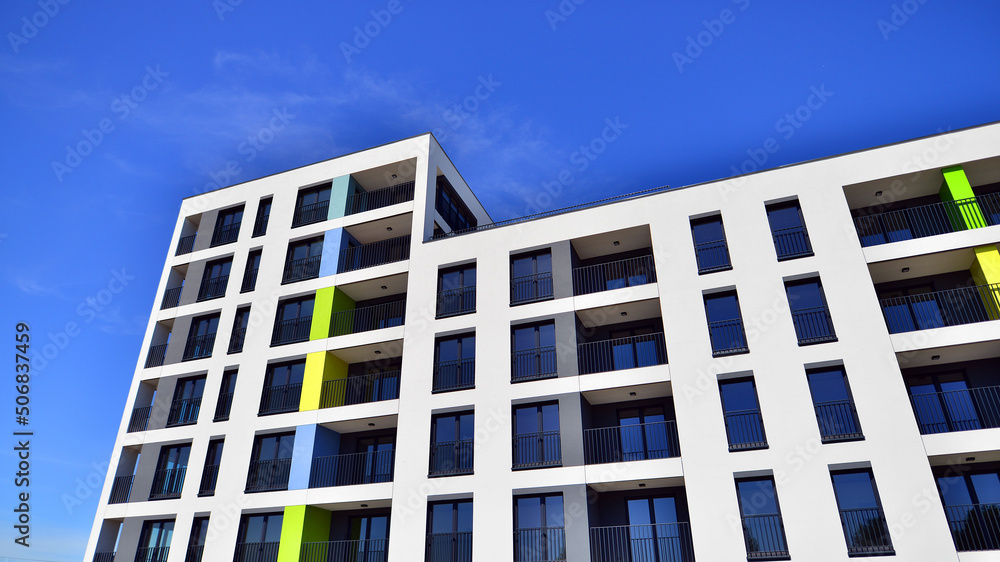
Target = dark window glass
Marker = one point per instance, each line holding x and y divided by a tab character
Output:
455	363
154	540
534	355
725	324
536	436
788	229
282	387
312	205
227	226
226	392
457	291
303	260
201	337
744	425
215	279
186	403
861	513
539	532
943	402
452	443
531	277
210	475
259	536
293	321
763	530
810	313
710	244
263	214
250	272
835	412
270	462
171	468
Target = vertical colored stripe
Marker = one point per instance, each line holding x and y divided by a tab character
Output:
963	210
986	272
321	366
302	524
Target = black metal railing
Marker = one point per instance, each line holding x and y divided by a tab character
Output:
184	411
185	245
630	272
301	269
249	280
531	364
813	325
195	552
536	450
373	254
378	198
199	347
728	337
223	405
712	256
938	309
665	542
792	242
928	220
226	234
121	489
764	536
213	287
866	531
745	430
167	483
451	457
256	552
621	353
139	419
838	421
975	526
540	544
104	557
531	288
260	226
268	475
279	399
957	410
454	375
367	318
449	547
638	442
152	554
291	331
308	214
209	478
352	469
366	550
171	298
237	338
452	302
360	389
155	356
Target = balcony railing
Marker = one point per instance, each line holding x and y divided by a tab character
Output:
532	364
367	318
653	440
975	526
291	331
957	410
452	302
360	389
249	280
237	338
268	475
171	298
301	269
813	325
666	542
167	483
540	544
121	489
213	287
199	347
352	469
792	242
728	337
139	419
449	547
928	220
536	450
209	478
454	375
195	552
185	245
374	254
838	421
367	550
104	557
223	405
451	457
938	309
712	256
629	272
260	227
378	198
531	288
155	356
621	353
308	214
866	531
154	554
256	552
745	430
279	399
226	234
184	411
765	537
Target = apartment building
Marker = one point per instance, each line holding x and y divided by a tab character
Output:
352	362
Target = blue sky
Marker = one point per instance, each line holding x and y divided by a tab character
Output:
113	111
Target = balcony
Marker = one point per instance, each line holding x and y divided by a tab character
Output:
454	375
260	227
728	337
184	412
531	288
608	276
352	469
791	243
451	457
104	557
256	552
813	325
213	288
154	358
625	443
121	489
209	478
537	450
378	198
453	302
367	550
249	280
540	544
185	245
199	347
764	536
225	234
745	430
269	475
223	406
621	353
153	554
667	542
838	421
974	527
928	220
237	338
309	214
301	269
957	410
291	331
167	483
449	547
360	389
374	254
533	364
139	419
712	256
866	532
171	298
280	399
368	318
937	309
195	552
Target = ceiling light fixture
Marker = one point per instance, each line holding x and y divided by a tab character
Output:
631	394
617	243
378	352
388	229
935	357
394	176
371	424
624	313
906	270
384	287
878	193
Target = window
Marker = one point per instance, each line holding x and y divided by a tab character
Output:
170	469
449	531
293	320
539	529
725	324
971	500
263	212
451	207
644	434
282	388
861	513
210	475
536	436
239	334
366	382
455	363
270	462
810	313
788	229
302	260
943	402
201	337
452	443
531	277
227	226
763	530
154	541
258	538
744	425
654	532
250	273
835	412
370	539
186	404
215	279
710	246
534	354
225	402
312	205
376	455
196	542
456	291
